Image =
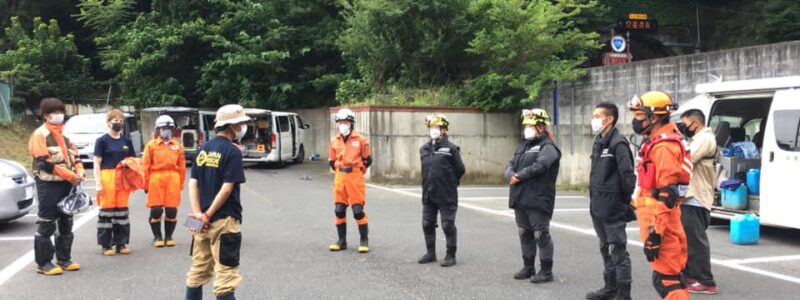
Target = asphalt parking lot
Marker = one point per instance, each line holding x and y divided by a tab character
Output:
288	224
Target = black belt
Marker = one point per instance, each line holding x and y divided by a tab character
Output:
346	170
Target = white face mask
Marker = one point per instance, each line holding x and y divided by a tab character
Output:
165	133
597	125
530	133
435	133
240	134
344	129
56	119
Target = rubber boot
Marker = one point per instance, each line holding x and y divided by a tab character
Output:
158	240
194	293
430	247
623	292
48	269
545	274
230	296
607	292
450	258
363	230
527	270
341	244
169	228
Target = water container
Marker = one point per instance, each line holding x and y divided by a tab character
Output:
754	181
745	229
735	199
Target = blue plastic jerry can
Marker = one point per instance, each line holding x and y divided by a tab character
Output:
745	229
735	199
754	181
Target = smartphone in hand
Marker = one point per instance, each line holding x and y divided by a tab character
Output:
194	224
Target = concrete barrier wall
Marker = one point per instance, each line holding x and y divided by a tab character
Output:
396	134
675	75
319	134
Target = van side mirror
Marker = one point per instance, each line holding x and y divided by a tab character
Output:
306	126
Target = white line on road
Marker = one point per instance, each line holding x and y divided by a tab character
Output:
762	259
27	258
730	264
16	238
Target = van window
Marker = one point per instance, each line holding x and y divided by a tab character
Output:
130	123
283	124
208	120
300	123
787	129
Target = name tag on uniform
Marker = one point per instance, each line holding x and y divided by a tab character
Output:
534	149
606	154
356	144
445	151
174	147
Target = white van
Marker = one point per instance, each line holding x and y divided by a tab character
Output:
187	122
766	112
272	137
84	130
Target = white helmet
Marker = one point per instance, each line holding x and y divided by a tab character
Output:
165	121
345	114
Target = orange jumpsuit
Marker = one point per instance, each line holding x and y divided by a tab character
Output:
348	185
165	172
666	158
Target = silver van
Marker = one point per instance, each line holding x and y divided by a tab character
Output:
187	122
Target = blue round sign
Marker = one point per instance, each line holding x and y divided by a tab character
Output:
618	43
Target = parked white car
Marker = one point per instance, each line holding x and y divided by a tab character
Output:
84	130
17	191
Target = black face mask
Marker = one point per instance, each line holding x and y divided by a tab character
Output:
638	126
116	127
685	130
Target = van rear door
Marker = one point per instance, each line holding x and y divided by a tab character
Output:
285	140
780	161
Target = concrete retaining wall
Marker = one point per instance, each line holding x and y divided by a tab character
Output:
396	134
675	75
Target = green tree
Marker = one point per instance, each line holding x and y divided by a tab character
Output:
42	63
260	53
411	42
527	44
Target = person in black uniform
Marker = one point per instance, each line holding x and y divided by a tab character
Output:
611	185
532	174
442	170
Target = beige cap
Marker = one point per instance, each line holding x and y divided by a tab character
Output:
230	114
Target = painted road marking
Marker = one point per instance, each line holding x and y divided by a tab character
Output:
756	260
733	264
24	260
16	238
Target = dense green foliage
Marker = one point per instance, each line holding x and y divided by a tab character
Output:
303	53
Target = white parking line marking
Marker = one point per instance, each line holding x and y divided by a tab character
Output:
570	209
726	263
762	259
24	260
16	238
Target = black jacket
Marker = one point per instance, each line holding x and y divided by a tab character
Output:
612	179
536	164
442	169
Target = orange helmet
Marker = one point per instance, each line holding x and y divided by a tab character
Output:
653	103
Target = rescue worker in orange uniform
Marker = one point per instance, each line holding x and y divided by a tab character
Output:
110	150
663	169
56	170
164	173
350	156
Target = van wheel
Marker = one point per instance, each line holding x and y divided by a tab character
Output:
301	155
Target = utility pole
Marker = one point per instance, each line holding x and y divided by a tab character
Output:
697	18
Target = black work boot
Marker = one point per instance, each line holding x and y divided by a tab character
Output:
623	292
450	258
607	292
545	274
363	230
341	244
169	229
158	240
528	270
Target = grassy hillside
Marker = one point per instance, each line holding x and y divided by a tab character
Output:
14	141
